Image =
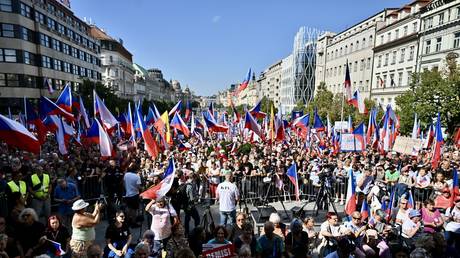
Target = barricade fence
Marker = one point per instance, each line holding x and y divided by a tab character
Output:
255	190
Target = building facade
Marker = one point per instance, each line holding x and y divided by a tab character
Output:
287	101
273	82
40	41
440	34
395	53
323	41
165	91
117	65
355	46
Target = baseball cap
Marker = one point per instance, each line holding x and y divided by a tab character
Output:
414	213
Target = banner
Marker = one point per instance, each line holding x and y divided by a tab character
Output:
218	251
407	145
351	142
341	125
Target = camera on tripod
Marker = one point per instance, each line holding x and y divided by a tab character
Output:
326	172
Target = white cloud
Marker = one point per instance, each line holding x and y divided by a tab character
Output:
216	19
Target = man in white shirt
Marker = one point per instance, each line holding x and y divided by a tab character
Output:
227	195
132	184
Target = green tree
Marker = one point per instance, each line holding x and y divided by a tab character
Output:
431	92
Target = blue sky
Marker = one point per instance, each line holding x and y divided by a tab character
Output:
209	44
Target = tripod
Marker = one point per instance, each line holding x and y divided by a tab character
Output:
324	195
265	200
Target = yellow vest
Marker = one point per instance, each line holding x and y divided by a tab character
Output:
21	188
43	191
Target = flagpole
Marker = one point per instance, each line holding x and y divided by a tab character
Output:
341	113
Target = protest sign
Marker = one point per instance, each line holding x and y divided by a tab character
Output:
406	145
218	251
351	142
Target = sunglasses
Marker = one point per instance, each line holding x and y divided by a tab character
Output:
356	218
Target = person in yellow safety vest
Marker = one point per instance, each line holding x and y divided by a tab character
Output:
17	185
40	188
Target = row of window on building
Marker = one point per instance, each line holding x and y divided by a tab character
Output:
51	24
29	81
437	44
388	80
390	36
21	56
342	51
440	19
340	70
17	31
394	56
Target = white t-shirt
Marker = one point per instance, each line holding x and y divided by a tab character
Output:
453	226
334	230
132	184
408	225
161	221
228	193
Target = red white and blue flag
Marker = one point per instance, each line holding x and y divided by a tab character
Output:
292	175
347	82
180	125
358	102
48	107
33	119
84	114
64	100
176	108
130	126
97	135
251	124
16	135
188	111
303	123
49	85
150	145
57	248
365	210
245	82
350	205
438	144
318	123
256	111
161	189
214	126
107	119
358	134
455	189
415	128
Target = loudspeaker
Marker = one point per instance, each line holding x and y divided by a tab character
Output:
263	213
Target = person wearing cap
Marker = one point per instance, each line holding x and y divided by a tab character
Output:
83	227
39	189
411	227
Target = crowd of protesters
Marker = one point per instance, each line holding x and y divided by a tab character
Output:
412	212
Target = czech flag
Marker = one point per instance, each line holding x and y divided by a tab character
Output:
350	205
176	108
365	210
130	126
188	111
15	134
60	138
251	124
213	126
296	114
57	248
108	120
455	189
150	144
180	125
97	135
151	117
64	100
48	107
245	82
358	102
292	174
256	110
415	128
371	125
347	82
83	113
303	123
438	145
358	134
32	118
390	204
236	115
318	123
49	85
51	123
410	200
161	189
